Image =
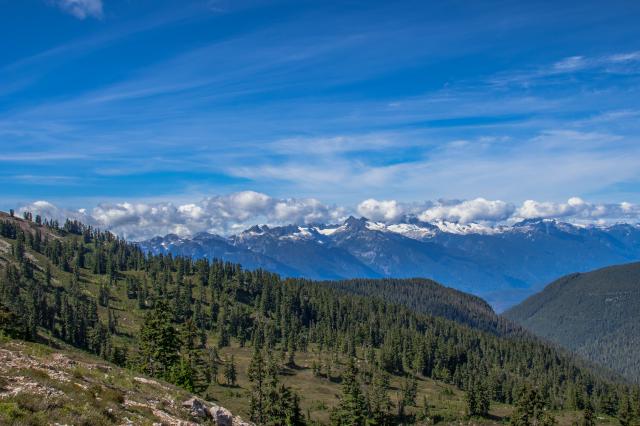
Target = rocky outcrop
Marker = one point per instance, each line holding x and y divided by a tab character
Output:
32	372
197	408
205	410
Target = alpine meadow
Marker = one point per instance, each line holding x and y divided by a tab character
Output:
289	213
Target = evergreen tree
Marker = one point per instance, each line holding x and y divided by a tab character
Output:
19	247
230	372
183	374
588	417
409	391
478	401
103	295
159	341
112	321
531	410
424	415
212	364
351	409
281	405
635	403
625	411
257	375
287	411
378	402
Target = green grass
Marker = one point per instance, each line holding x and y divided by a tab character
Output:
91	393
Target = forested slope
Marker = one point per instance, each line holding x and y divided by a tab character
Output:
251	339
596	314
428	297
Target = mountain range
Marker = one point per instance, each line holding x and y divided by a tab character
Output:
503	264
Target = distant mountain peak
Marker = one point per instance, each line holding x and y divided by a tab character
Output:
501	263
354	223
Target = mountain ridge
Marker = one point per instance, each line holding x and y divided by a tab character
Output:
503	264
594	314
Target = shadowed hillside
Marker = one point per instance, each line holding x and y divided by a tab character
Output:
595	314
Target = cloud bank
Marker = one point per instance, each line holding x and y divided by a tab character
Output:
232	213
222	214
477	210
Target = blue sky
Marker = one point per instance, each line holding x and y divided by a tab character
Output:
113	101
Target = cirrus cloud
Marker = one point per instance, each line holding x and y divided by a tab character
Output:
81	9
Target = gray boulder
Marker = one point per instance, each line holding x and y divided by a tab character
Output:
196	407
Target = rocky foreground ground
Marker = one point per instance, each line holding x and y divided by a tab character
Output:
41	385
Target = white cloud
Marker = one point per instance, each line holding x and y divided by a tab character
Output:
305	211
477	210
232	213
386	210
81	9
221	214
577	209
536	209
50	211
625	57
572	63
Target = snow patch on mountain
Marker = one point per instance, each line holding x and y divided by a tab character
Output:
376	226
413	231
469	228
303	233
330	231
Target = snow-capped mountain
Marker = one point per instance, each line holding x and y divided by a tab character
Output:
503	264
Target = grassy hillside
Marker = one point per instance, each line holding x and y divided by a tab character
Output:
40	384
90	290
595	314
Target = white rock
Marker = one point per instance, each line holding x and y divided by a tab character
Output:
221	416
196	407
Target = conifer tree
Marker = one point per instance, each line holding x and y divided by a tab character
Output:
588	416
212	365
424	415
635	403
378	402
112	321
625	412
409	391
183	374
281	406
19	247
159	341
531	409
230	372
287	410
257	374
351	410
